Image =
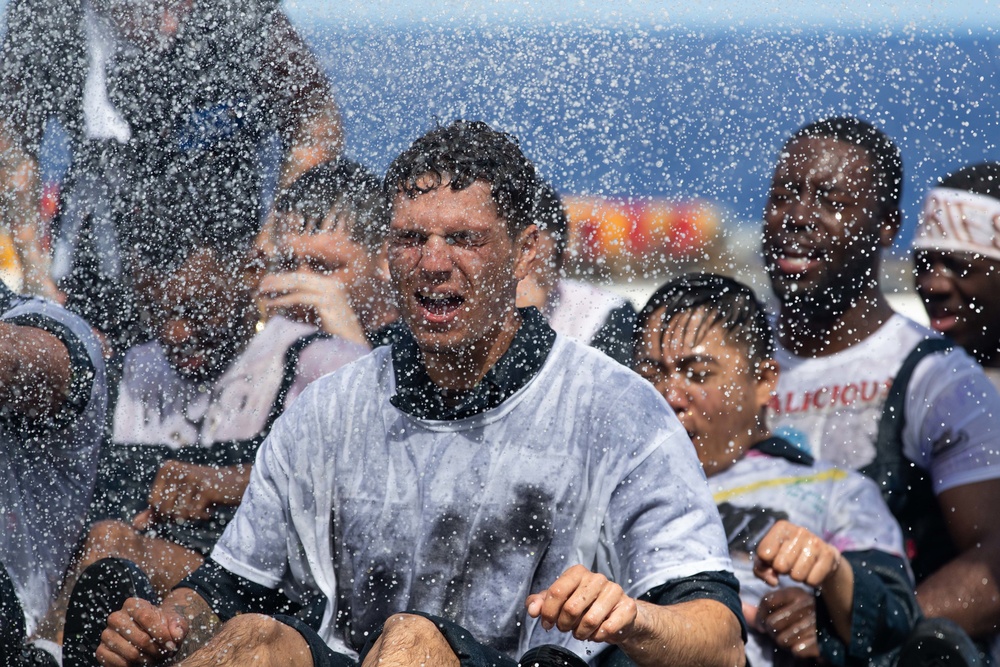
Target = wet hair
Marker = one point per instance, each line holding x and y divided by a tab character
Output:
980	179
882	152
726	303
163	222
551	218
459	154
340	186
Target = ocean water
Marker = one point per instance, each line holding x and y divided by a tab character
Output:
667	111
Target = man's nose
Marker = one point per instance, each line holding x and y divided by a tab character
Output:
676	395
934	279
435	255
800	211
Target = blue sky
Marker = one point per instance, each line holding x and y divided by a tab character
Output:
972	15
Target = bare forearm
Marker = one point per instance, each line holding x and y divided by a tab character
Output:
966	590
702	633
837	594
203	623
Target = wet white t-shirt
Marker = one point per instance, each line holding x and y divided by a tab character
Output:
46	479
383	512
579	309
830	406
158	406
842	507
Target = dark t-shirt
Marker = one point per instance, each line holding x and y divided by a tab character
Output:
195	113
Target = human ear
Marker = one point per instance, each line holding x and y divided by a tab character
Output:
766	376
889	227
525	247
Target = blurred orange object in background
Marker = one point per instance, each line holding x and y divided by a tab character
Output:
622	235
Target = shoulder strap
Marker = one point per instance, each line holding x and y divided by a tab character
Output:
292	355
906	487
893	419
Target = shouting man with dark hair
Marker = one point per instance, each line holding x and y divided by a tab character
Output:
480	471
865	388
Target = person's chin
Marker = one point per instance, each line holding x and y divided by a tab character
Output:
791	289
438	340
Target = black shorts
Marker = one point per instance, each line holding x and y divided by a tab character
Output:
469	651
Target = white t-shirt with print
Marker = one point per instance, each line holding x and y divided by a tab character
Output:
383	512
830	406
842	507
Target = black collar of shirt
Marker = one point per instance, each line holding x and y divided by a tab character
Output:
775	446
7	298
386	335
419	397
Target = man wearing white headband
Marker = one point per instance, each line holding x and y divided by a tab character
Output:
957	254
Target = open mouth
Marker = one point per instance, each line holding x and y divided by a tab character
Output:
796	259
439	307
943	324
188	360
941	319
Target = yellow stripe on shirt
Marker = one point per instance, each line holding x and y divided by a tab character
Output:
833	473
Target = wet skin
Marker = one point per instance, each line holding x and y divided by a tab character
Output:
707	379
958	290
324	277
822	226
201	313
455	268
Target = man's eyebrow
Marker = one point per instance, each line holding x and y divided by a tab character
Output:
692	359
650	362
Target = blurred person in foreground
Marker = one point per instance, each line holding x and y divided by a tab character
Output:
194	404
794	525
328	265
957	258
53	398
472	472
866	388
146	90
585	312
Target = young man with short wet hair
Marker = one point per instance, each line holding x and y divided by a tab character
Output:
327	264
813	540
480	471
864	387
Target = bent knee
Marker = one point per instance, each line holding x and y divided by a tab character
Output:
110	539
254	630
410	625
